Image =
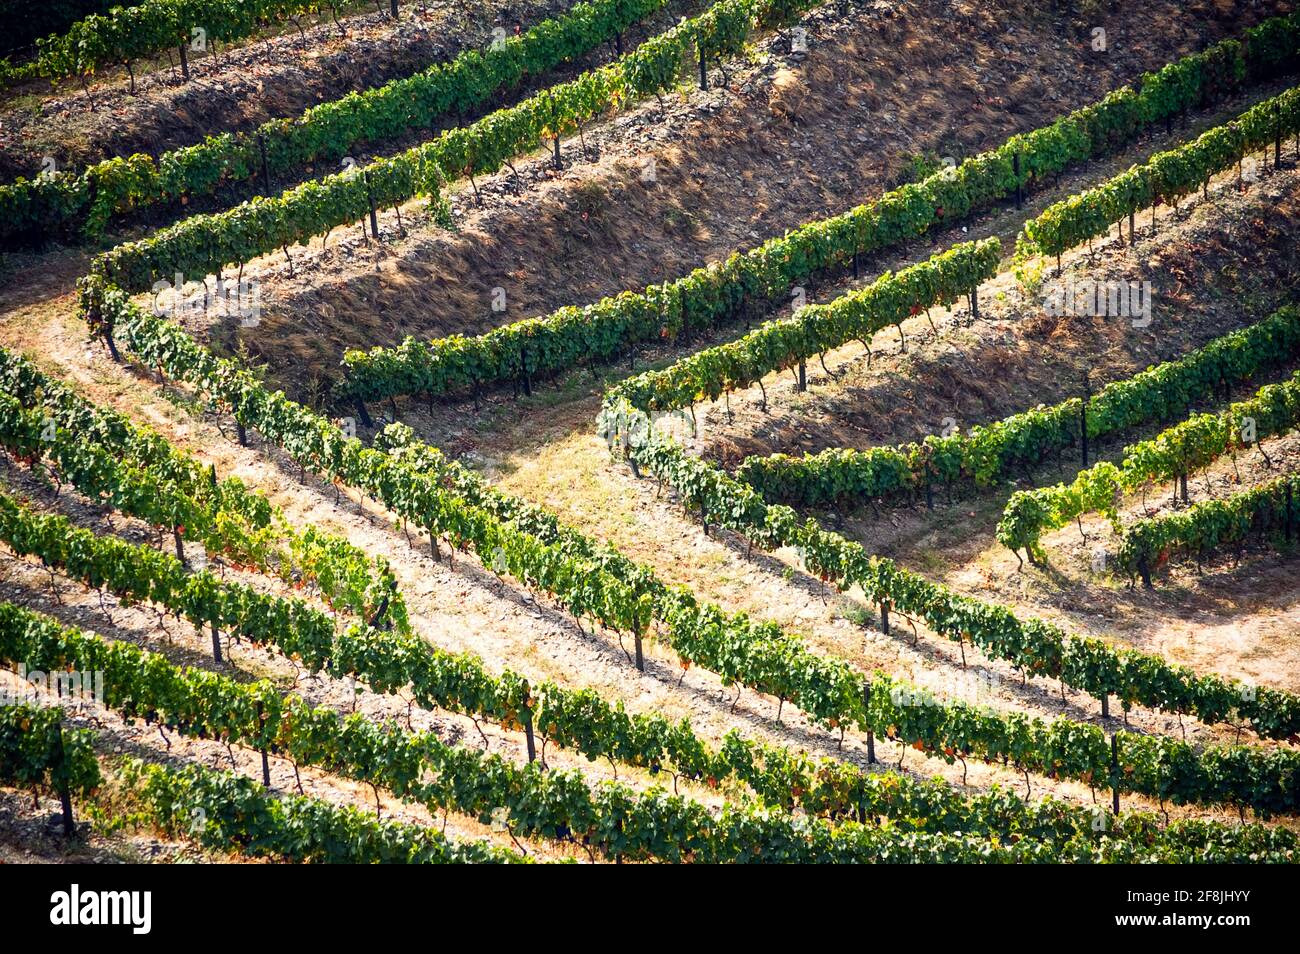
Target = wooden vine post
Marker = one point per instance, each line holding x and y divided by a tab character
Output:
266	170
266	763
871	735
370	197
526	716
1277	136
555	125
1020	189
362	413
1155	200
392	8
216	644
803	376
381	611
112	345
185	61
1083	417
636	638
884	617
61	774
704	70
1114	772
627	452
104	326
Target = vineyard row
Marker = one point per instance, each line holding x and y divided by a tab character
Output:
61	202
763	276
740	650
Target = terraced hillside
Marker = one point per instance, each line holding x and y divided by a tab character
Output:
640	431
